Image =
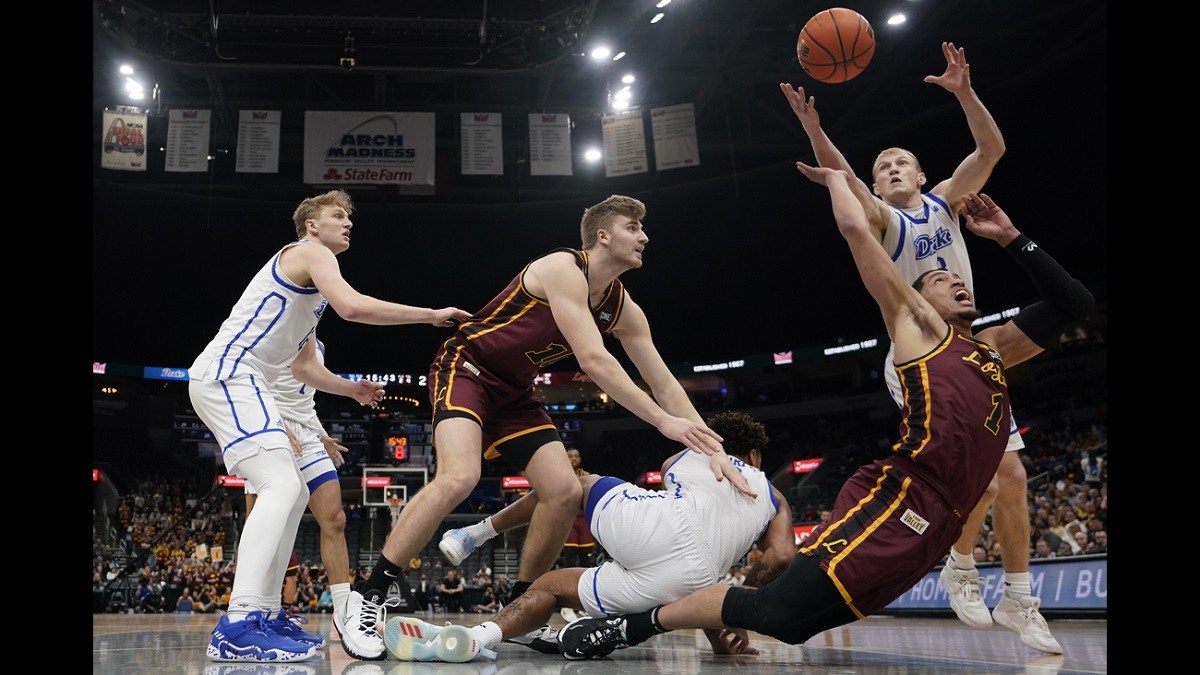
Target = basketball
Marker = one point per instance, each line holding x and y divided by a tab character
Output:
835	45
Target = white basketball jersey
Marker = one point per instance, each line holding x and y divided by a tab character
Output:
926	238
731	521
266	328
293	397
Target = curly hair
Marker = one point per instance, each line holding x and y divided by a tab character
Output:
740	431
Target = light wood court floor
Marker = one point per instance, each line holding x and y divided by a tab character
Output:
133	644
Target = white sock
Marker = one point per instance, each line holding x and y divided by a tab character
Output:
488	634
241	605
340	593
961	561
482	531
1016	584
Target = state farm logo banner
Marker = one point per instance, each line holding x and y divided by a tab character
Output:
370	148
188	132
124	141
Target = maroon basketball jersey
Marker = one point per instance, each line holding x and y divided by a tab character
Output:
514	336
956	414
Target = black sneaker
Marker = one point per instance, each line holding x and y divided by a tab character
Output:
544	640
589	638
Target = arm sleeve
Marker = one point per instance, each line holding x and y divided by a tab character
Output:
1065	299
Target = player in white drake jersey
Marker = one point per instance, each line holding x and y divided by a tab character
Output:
920	231
663	544
270	327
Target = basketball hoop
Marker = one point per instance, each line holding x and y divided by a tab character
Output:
395	503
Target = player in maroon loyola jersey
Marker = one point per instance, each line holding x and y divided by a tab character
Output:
481	387
893	519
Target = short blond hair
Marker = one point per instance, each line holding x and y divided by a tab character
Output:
311	208
598	216
894	151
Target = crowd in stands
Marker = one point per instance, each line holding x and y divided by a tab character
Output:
167	548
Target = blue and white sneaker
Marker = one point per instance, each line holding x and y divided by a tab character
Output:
456	545
288	626
411	639
252	640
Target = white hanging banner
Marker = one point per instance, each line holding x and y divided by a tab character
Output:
124	141
188	132
370	148
624	144
258	141
674	129
482	144
549	144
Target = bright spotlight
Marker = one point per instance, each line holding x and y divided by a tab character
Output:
657	17
592	155
601	53
628	78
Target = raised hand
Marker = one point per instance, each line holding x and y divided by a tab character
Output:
805	108
986	219
957	78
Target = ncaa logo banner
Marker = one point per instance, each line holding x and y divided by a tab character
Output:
370	148
124	141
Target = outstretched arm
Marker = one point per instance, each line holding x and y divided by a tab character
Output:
307	368
829	156
1064	299
566	291
974	171
318	265
633	330
904	310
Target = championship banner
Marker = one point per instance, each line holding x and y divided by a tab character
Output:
624	144
258	141
482	144
370	148
674	129
188	132
124	141
550	144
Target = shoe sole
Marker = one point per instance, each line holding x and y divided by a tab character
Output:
341	631
453	553
278	655
410	639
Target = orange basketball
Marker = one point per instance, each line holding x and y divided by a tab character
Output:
835	45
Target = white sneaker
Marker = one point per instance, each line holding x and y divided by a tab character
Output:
544	640
359	627
456	545
1022	616
965	597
